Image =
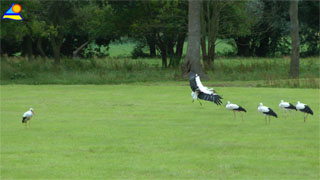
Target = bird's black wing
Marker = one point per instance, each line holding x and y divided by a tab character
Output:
210	97
241	109
291	106
307	109
271	113
192	79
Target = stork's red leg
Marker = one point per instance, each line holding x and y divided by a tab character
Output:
265	119
306	118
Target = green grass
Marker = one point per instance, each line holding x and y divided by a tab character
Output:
144	131
262	72
118	49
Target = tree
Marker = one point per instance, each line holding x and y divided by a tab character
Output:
309	28
92	22
294	65
192	61
222	19
163	24
269	29
58	22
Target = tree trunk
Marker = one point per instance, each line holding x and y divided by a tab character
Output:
204	52
75	53
243	46
40	49
180	43
152	45
203	35
214	23
211	51
164	57
56	51
192	61
294	65
27	46
170	51
263	48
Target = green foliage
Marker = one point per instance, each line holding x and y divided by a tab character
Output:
153	131
163	24
232	13
138	51
94	50
309	27
270	32
260	28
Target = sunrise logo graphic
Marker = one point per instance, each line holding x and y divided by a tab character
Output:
13	13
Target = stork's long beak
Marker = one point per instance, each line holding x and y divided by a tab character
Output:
214	91
32	112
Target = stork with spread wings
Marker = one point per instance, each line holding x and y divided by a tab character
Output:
201	92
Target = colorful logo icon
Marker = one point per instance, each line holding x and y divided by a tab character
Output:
13	13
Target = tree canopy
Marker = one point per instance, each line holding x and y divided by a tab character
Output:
66	28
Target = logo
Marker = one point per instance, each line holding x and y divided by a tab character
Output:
13	13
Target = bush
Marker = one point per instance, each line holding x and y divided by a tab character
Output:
138	51
94	50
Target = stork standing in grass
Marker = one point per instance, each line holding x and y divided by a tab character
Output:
235	108
305	109
267	112
286	106
201	92
27	117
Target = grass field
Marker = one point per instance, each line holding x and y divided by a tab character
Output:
154	131
262	72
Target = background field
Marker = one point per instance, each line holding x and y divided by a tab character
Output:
154	131
125	47
256	72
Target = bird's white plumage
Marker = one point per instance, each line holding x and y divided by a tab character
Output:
203	88
300	106
231	106
263	109
194	95
28	114
284	105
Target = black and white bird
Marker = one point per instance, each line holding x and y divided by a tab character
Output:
27	117
201	92
235	108
267	112
286	106
305	109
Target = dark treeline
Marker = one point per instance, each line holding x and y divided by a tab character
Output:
64	28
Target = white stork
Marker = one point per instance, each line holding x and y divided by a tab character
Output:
267	112
201	92
27	117
305	109
286	106
235	108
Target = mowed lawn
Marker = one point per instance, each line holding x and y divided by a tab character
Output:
154	131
